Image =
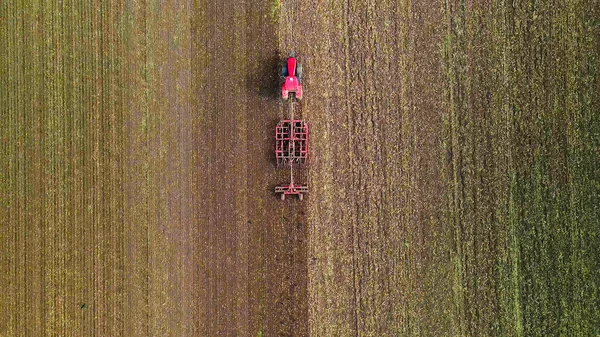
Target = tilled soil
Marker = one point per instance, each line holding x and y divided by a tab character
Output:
440	136
377	165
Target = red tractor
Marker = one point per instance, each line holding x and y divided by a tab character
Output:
292	78
291	135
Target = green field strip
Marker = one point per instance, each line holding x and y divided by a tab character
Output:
7	181
532	96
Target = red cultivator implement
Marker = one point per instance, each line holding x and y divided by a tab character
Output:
291	189
291	150
291	147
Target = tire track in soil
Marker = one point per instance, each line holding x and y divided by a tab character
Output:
136	189
221	137
170	147
429	187
474	131
161	248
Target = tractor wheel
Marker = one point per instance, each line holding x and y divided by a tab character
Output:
284	70
299	72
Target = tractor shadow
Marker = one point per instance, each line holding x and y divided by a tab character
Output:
265	80
270	154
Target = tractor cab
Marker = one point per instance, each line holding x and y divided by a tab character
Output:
291	71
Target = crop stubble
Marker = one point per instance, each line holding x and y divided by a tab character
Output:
137	181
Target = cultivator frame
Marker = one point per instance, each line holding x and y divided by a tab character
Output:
291	150
291	143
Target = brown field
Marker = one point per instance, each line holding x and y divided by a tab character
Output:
454	172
